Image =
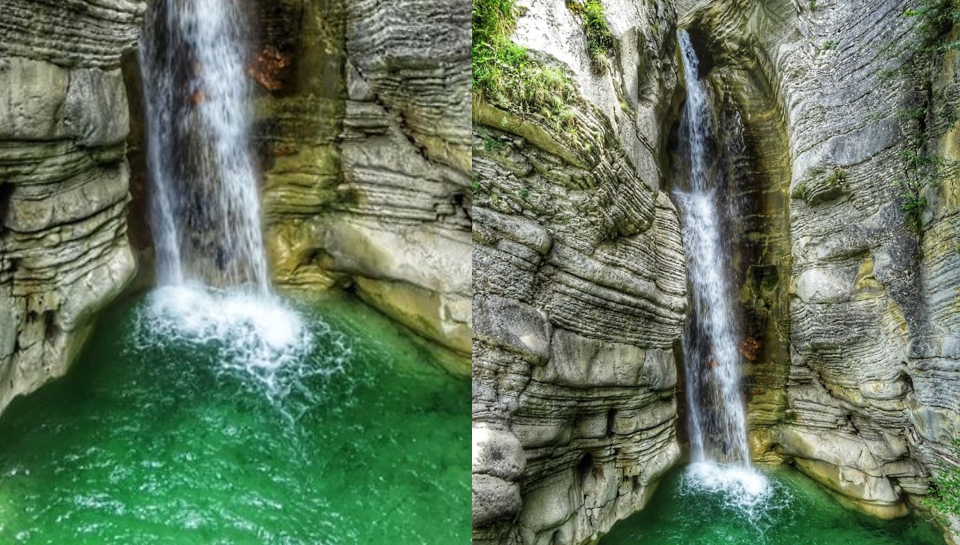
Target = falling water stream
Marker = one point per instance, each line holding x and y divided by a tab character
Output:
205	214
710	341
719	497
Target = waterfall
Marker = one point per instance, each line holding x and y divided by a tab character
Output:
205	211
710	340
205	214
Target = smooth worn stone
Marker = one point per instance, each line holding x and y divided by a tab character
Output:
64	181
579	282
367	146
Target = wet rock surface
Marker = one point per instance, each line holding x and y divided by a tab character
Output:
64	252
579	290
367	159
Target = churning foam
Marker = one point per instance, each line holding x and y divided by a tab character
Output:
253	337
743	489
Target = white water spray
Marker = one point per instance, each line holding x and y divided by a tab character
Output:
717	421
206	211
205	215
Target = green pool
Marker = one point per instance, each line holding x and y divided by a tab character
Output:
695	507
240	428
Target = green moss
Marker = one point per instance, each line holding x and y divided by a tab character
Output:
829	44
800	192
837	178
492	144
944	497
523	193
599	38
913	112
504	73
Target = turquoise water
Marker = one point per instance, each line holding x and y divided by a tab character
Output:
795	511
155	439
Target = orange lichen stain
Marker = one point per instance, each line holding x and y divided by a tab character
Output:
750	348
270	67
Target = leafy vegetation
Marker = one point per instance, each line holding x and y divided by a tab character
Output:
800	192
944	498
920	172
921	168
505	74
837	178
936	18
599	38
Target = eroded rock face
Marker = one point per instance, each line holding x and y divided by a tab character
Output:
867	403
367	158
64	252
579	290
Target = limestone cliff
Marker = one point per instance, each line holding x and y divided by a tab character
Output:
867	402
366	157
63	179
847	280
579	282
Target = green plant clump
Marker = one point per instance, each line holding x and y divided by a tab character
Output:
800	192
944	497
837	178
505	74
599	38
922	169
920	172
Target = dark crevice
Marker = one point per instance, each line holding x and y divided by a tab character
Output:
6	195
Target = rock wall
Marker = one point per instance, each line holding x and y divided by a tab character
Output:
367	157
867	403
852	370
63	179
580	288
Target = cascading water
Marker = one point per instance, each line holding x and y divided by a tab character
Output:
717	423
205	214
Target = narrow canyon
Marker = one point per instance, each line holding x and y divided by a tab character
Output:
834	199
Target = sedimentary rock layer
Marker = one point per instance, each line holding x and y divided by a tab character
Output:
870	393
367	158
579	290
63	179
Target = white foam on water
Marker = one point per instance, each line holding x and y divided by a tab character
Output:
743	490
253	337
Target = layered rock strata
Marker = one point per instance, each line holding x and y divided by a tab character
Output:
580	288
867	403
64	252
367	158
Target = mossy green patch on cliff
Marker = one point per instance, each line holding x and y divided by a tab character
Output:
506	75
599	38
922	169
944	497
